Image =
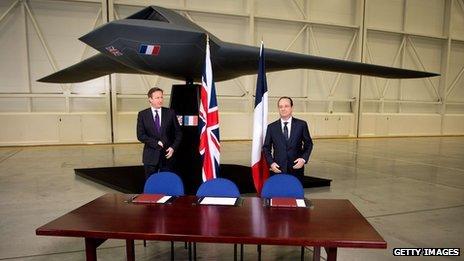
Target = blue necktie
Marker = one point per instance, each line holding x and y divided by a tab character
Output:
157	122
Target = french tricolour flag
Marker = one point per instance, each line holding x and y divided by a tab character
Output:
259	166
191	120
149	49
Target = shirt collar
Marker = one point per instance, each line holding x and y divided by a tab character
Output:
289	121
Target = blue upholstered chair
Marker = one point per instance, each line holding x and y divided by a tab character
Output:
218	187
284	186
166	183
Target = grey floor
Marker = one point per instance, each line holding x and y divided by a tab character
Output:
410	189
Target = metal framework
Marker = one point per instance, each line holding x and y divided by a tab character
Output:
359	42
66	88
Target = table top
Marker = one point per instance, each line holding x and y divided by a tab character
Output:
328	223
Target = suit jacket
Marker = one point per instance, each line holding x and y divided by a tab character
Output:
277	149
170	134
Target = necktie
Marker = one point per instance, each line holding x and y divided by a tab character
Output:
286	131
157	121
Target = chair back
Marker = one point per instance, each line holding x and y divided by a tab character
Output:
218	187
282	185
166	183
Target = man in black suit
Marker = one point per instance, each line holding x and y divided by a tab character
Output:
287	145
158	129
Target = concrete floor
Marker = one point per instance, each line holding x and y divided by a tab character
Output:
410	189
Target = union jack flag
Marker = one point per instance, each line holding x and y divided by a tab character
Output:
209	122
113	51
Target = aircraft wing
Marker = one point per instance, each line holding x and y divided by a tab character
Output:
91	68
279	60
235	60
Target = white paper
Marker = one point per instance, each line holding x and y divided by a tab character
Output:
163	199
300	203
218	201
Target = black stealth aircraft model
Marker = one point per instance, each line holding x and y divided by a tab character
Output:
160	41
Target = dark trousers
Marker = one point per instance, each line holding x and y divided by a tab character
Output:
164	165
150	169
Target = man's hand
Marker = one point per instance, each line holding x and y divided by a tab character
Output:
169	152
275	168
160	144
299	163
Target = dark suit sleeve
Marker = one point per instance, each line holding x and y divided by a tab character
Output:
267	146
177	132
307	142
142	134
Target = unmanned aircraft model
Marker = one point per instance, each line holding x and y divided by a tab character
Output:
160	41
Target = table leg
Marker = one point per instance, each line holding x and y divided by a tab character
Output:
130	250
91	245
195	251
331	253
317	253
172	250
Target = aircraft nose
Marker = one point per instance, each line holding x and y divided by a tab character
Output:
100	36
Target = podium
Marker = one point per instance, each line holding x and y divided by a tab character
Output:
185	99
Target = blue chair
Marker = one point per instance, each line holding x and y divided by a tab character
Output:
282	185
285	186
219	187
166	183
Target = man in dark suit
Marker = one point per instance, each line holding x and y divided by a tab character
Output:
158	129
287	145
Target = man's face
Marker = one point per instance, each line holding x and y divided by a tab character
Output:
285	109
156	99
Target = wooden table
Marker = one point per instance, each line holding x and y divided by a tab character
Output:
329	223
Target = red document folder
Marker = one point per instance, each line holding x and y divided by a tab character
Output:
283	202
147	198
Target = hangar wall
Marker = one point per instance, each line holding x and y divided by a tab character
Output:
38	37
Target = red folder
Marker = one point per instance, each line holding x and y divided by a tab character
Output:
147	198
283	202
